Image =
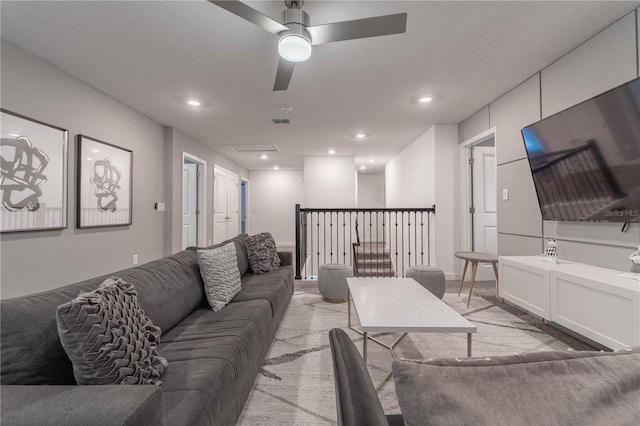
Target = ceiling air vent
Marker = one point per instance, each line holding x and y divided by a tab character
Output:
281	121
258	147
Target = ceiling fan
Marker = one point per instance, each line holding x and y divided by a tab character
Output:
297	37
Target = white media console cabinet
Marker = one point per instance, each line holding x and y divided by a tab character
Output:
594	302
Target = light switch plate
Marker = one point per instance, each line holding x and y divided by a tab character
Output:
505	194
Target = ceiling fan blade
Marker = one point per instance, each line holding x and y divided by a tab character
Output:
359	28
283	75
250	14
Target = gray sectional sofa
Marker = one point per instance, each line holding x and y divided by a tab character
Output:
537	388
214	357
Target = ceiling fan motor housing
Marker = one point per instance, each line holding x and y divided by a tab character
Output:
297	20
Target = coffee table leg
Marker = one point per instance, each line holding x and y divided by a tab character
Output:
364	347
469	345
464	272
474	269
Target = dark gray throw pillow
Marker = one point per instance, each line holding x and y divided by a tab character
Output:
108	337
263	253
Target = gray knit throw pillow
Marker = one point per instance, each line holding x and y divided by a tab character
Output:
108	337
220	273
263	253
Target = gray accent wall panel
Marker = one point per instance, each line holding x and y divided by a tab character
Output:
474	125
608	233
601	63
518	245
521	213
510	113
604	256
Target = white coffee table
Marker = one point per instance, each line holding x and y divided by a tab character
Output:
401	305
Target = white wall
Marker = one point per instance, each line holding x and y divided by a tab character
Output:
447	199
409	176
176	143
426	173
330	182
38	261
370	190
607	60
273	195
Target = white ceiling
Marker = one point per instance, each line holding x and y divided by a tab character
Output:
152	55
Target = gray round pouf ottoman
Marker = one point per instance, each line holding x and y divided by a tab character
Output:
332	282
430	277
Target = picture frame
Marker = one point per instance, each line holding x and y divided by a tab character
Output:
104	184
33	174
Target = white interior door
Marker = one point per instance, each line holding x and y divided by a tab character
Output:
233	205
226	205
485	233
189	205
219	206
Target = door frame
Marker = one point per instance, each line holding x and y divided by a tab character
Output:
466	227
202	196
247	203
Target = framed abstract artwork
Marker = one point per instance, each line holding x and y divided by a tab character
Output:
33	174
105	180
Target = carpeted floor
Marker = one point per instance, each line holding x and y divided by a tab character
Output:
295	385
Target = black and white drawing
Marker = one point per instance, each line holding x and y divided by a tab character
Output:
33	174
104	184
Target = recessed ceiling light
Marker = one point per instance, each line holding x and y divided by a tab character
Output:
362	167
361	135
332	151
95	150
194	102
371	160
264	156
88	158
276	168
15	135
425	100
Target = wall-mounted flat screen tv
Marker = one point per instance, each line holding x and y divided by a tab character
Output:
585	160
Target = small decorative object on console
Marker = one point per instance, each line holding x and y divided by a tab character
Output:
551	253
635	261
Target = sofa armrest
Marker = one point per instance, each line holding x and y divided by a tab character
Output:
286	258
82	405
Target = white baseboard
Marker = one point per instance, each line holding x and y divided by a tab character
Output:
452	276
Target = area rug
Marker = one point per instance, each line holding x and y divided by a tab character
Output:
295	385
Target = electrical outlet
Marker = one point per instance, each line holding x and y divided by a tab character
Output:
135	259
209	242
505	194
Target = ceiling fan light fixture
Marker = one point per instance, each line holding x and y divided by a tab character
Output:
294	47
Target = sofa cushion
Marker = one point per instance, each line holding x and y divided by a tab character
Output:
275	286
219	270
263	253
560	388
30	348
216	354
108	337
240	242
82	405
